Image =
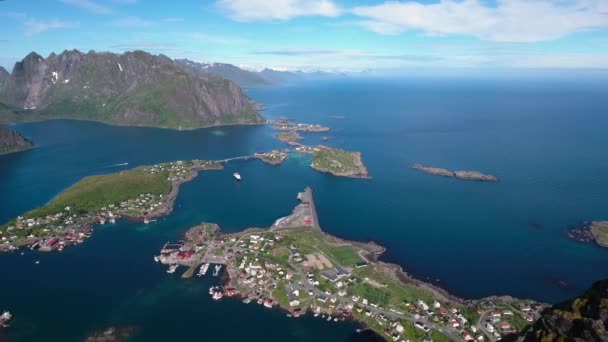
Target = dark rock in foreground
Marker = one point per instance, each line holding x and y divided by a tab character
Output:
584	318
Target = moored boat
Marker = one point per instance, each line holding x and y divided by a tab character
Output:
172	268
217	270
237	176
203	270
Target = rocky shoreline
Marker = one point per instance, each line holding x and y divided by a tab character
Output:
590	232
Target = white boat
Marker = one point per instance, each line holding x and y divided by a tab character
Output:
217	269
328	318
37	262
203	270
172	268
237	176
156	259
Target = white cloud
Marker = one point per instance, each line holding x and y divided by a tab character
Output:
33	26
508	21
255	10
89	5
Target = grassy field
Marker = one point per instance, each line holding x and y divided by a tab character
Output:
397	292
311	242
344	255
94	192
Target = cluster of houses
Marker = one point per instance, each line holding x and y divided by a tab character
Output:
53	231
274	157
288	125
260	273
309	149
138	206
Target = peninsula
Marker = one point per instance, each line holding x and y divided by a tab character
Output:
295	266
467	175
141	194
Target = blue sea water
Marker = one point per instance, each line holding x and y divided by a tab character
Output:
545	140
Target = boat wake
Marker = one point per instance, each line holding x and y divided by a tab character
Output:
115	165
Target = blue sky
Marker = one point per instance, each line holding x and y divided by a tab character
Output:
319	34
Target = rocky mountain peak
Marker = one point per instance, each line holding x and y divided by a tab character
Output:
132	88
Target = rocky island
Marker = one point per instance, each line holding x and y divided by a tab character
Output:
288	125
295	266
12	141
336	161
273	158
467	175
289	137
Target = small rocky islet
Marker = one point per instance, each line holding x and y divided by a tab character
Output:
12	141
465	175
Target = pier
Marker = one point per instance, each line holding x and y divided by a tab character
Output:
307	198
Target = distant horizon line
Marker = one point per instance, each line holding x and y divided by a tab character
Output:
390	72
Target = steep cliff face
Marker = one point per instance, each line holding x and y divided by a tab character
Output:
3	75
11	141
134	88
584	318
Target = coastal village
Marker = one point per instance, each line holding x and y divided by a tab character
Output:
296	267
69	219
